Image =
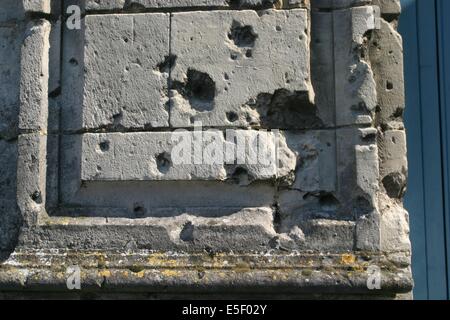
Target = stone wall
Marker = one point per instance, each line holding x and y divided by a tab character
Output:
95	119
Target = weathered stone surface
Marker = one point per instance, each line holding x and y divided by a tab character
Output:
186	155
31	163
386	55
354	83
229	86
119	72
34	77
101	188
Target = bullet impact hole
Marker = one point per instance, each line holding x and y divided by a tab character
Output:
104	146
163	162
232	116
242	36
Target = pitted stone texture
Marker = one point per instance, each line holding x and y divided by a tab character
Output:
209	155
393	162
43	6
343	80
31	173
241	50
117	72
316	160
356	95
386	56
245	230
9	80
394	226
149	198
34	77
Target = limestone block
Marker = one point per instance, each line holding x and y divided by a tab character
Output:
386	56
34	77
185	155
31	172
118	72
43	6
241	50
394	227
356	95
394	163
243	230
316	160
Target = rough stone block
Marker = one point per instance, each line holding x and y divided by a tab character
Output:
185	155
229	86
34	77
43	6
394	227
393	162
31	173
356	95
386	55
119	74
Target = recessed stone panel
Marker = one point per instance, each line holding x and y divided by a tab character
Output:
186	155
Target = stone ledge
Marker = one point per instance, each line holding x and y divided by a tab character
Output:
298	273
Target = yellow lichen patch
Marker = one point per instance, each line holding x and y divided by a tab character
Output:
242	267
170	273
160	259
348	259
140	274
307	272
101	261
358	268
105	273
